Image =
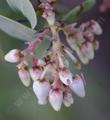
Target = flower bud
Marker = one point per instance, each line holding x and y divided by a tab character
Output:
56	98
96	28
65	76
86	52
67	98
84	59
88	49
89	35
13	56
77	86
70	28
41	90
35	73
25	77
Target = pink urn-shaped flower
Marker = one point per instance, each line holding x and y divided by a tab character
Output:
13	56
77	86
41	90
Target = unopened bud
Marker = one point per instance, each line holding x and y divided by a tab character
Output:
41	90
65	76
13	56
56	98
25	77
67	98
78	86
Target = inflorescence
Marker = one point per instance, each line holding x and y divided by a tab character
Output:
51	76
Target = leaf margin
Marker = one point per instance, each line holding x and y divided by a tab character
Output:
17	5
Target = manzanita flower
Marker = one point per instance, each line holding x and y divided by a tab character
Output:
41	89
77	86
85	52
24	74
67	98
65	76
35	72
56	98
25	77
82	39
74	36
96	29
91	26
37	69
13	56
89	35
48	13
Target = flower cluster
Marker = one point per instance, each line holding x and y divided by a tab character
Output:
82	39
51	77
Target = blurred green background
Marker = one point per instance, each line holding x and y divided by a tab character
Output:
19	103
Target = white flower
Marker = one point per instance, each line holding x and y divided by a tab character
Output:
35	73
70	28
13	56
89	35
56	98
82	57
75	39
89	50
67	98
86	52
37	70
96	28
78	86
65	76
25	77
41	90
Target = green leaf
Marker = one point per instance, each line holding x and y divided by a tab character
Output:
76	12
16	29
72	15
26	8
87	5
